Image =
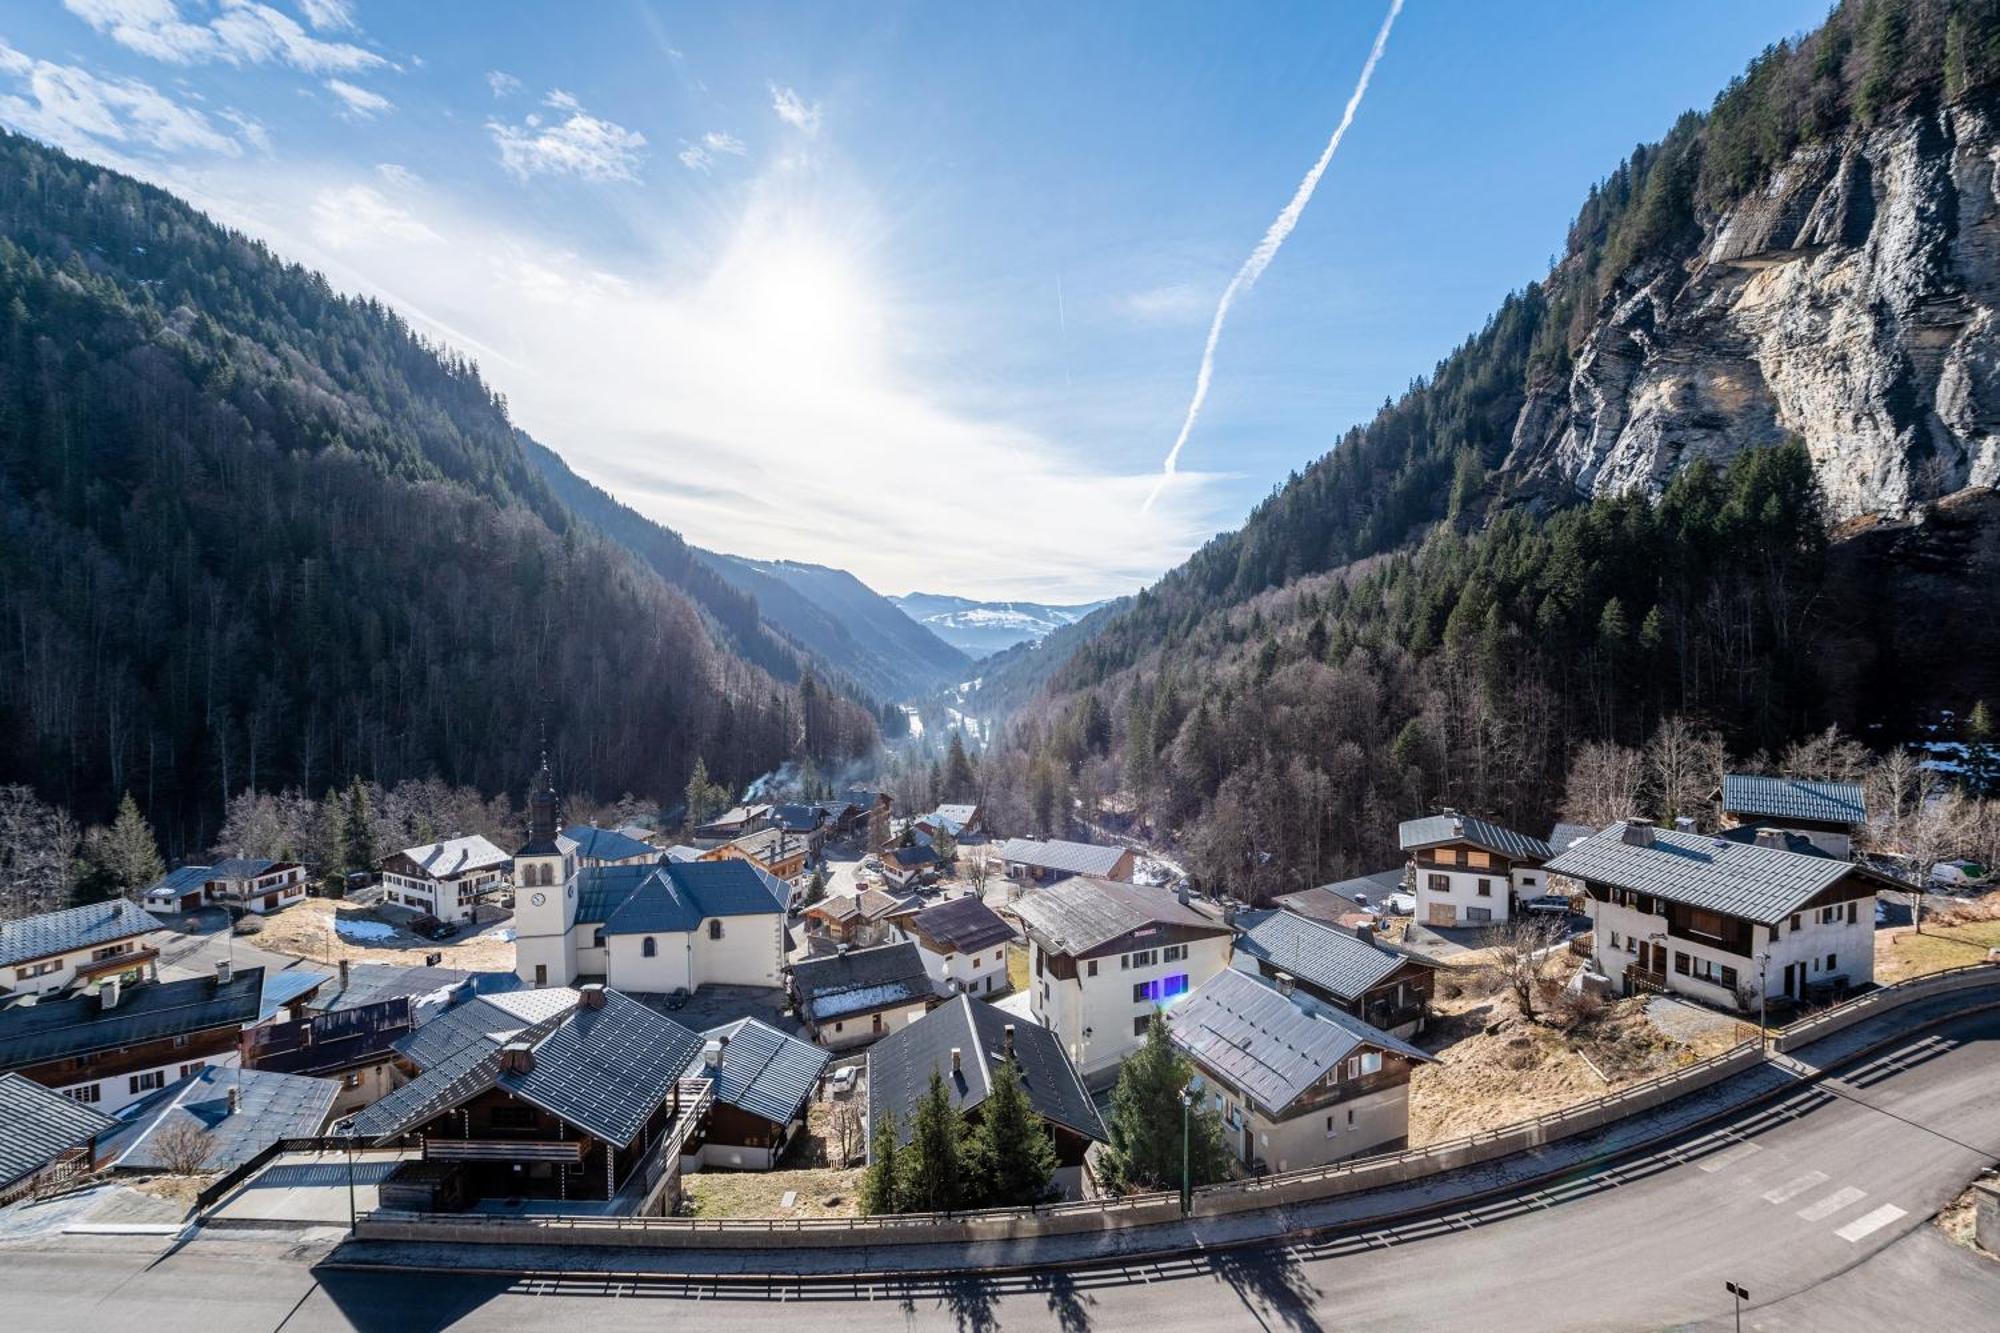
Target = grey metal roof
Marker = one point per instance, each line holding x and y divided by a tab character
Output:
288	984
271	1106
1076	915
913	858
900	1065
1269	1046
676	896
602	1070
1794	798
493	1019
50	933
37	1126
861	981
79	1024
1438	830
428	987
243	867
1737	879
764	1071
963	925
178	883
1325	956
1075	858
1562	835
603	844
456	856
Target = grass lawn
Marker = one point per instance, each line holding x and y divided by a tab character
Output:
1017	966
821	1191
1903	954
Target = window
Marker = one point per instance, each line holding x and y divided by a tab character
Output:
649	947
976	960
1440	883
597	938
146	1082
1795	921
1680	963
1632	944
1139	1025
1705	923
512	1117
87	1093
193	1067
1486	888
1331	1132
999	954
1160	989
1614	941
112	951
1850	913
1173	953
541	974
180	1040
1832	961
1371	1062
715	928
1090	968
351	1079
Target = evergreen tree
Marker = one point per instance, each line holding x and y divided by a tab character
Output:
961	782
1982	760
358	831
128	852
930	1175
879	1183
816	888
1010	1151
705	797
1146	1128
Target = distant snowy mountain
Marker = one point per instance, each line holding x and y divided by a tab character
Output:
984	628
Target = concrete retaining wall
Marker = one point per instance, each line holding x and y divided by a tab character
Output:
1146	1209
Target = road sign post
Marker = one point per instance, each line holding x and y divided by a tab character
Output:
1741	1294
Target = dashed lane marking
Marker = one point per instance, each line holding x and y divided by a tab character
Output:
1795	1187
1868	1223
1728	1157
1832	1204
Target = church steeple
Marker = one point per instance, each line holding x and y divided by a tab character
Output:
542	807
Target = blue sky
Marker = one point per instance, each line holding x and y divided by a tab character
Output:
916	290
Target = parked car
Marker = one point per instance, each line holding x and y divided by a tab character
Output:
1549	904
677	998
430	928
1958	873
842	1080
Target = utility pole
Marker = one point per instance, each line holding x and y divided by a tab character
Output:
1187	1180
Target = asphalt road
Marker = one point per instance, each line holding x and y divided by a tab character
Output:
1822	1213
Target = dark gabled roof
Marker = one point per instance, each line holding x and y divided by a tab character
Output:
1325	956
1362	895
603	1070
1794	798
271	1106
78	1024
455	856
861	981
603	844
244	867
913	858
963	925
179	883
900	1065
1761	884
1563	835
289	984
37	1126
51	933
1075	858
559	845
681	853
1076	915
1269	1046
1440	830
676	896
764	1072
494	1020
428	987
798	818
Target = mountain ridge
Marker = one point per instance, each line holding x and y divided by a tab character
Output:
982	628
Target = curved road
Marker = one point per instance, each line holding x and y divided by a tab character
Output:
1818	1204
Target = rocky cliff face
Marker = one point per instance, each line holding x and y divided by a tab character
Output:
1854	302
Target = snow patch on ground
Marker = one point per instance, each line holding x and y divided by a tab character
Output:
354	928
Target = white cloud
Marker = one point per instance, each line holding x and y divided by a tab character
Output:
80	111
794	110
718	142
579	145
694	157
701	156
241	33
395	173
352	216
359	102
502	83
329	15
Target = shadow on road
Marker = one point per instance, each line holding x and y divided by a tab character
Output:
380	1302
1272	1288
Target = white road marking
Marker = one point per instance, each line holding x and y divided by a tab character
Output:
1795	1187
1728	1156
1832	1204
1869	1222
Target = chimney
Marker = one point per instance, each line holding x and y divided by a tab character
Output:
1458	826
222	971
235	1099
957	1061
346	969
711	1052
591	996
1365	933
1007	1040
1683	823
517	1057
108	991
1229	914
1638	833
1182	893
1284	980
1770	837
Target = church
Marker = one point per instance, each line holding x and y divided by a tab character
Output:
646	925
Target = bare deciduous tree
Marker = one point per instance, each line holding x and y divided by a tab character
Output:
184	1148
1524	954
1604	783
844	1133
1683	768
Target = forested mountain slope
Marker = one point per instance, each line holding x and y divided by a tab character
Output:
981	629
1775	328
253	533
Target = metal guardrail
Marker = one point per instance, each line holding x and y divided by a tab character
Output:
1540	1129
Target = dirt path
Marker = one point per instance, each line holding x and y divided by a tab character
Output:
309	930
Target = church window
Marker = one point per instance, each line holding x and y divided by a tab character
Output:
649	947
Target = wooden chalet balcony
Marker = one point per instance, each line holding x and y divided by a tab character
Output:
568	1151
1644	978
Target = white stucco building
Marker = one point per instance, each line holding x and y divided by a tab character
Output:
1469	872
445	879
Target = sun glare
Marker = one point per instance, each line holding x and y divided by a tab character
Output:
800	304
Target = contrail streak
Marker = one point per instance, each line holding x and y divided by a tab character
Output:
1267	249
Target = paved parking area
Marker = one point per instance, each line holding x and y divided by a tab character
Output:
712	1006
308	1187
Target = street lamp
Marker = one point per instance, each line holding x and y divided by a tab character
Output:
1764	997
1187	1179
345	1129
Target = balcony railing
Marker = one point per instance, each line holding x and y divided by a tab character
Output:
504	1150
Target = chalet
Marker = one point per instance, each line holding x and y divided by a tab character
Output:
239	1112
964	944
906	867
735	823
1469	872
1348	969
1723	921
1104	956
177	891
609	847
255	884
860	995
964	1041
804	823
863	813
353	1049
1348	902
46	1139
764	1085
1033	862
640	833
862	919
447	880
778	853
111	1047
50	952
658	927
1297	1083
1829	814
957	822
428	989
586	1107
